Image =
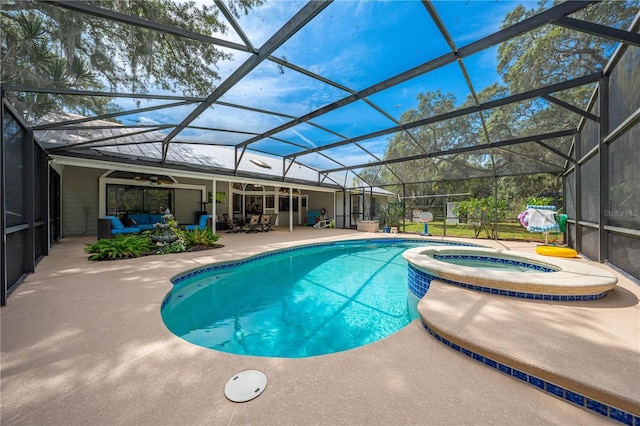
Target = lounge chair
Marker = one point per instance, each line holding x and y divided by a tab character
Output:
325	223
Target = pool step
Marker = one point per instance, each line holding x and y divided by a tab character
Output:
550	345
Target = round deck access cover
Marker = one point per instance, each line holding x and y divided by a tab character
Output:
245	386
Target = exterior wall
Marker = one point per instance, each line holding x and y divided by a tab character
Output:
221	208
187	204
321	200
80	191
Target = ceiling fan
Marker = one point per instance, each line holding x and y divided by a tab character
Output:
154	180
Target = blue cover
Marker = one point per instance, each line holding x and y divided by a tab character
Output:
115	223
140	219
201	225
145	221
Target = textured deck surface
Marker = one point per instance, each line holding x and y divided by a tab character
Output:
83	343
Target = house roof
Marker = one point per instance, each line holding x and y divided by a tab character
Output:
146	149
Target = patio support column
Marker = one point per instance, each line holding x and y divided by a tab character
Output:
290	209
578	191
371	212
29	264
603	159
404	216
344	209
335	209
230	198
3	235
214	215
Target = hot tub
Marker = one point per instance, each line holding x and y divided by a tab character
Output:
506	273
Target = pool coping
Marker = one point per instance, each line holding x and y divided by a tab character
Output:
571	279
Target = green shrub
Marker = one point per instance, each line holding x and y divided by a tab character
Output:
177	246
120	247
200	238
482	213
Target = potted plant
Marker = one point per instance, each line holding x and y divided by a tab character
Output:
393	214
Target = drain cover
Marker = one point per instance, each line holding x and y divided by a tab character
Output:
245	386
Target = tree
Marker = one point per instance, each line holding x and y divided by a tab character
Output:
551	53
47	46
547	55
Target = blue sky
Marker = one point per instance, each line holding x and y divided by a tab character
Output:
356	44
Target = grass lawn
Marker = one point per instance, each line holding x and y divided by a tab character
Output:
506	231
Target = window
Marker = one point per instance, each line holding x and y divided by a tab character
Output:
271	202
253	204
283	204
237	204
122	199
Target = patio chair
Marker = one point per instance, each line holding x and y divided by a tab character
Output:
202	223
264	222
252	225
233	225
272	222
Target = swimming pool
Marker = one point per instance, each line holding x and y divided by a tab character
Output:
301	302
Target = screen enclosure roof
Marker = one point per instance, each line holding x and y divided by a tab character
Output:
346	93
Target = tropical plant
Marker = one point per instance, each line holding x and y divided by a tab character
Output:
120	247
393	213
200	238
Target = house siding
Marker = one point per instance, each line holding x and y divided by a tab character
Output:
80	190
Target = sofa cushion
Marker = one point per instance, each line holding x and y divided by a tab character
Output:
155	218
140	219
115	222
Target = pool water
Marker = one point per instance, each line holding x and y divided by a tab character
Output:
301	303
475	263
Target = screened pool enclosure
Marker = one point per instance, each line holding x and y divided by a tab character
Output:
405	98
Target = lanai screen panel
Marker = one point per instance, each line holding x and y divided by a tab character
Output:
342	85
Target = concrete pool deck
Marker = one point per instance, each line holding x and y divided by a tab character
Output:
83	343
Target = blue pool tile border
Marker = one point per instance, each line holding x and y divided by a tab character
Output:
497	260
420	281
228	265
575	398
